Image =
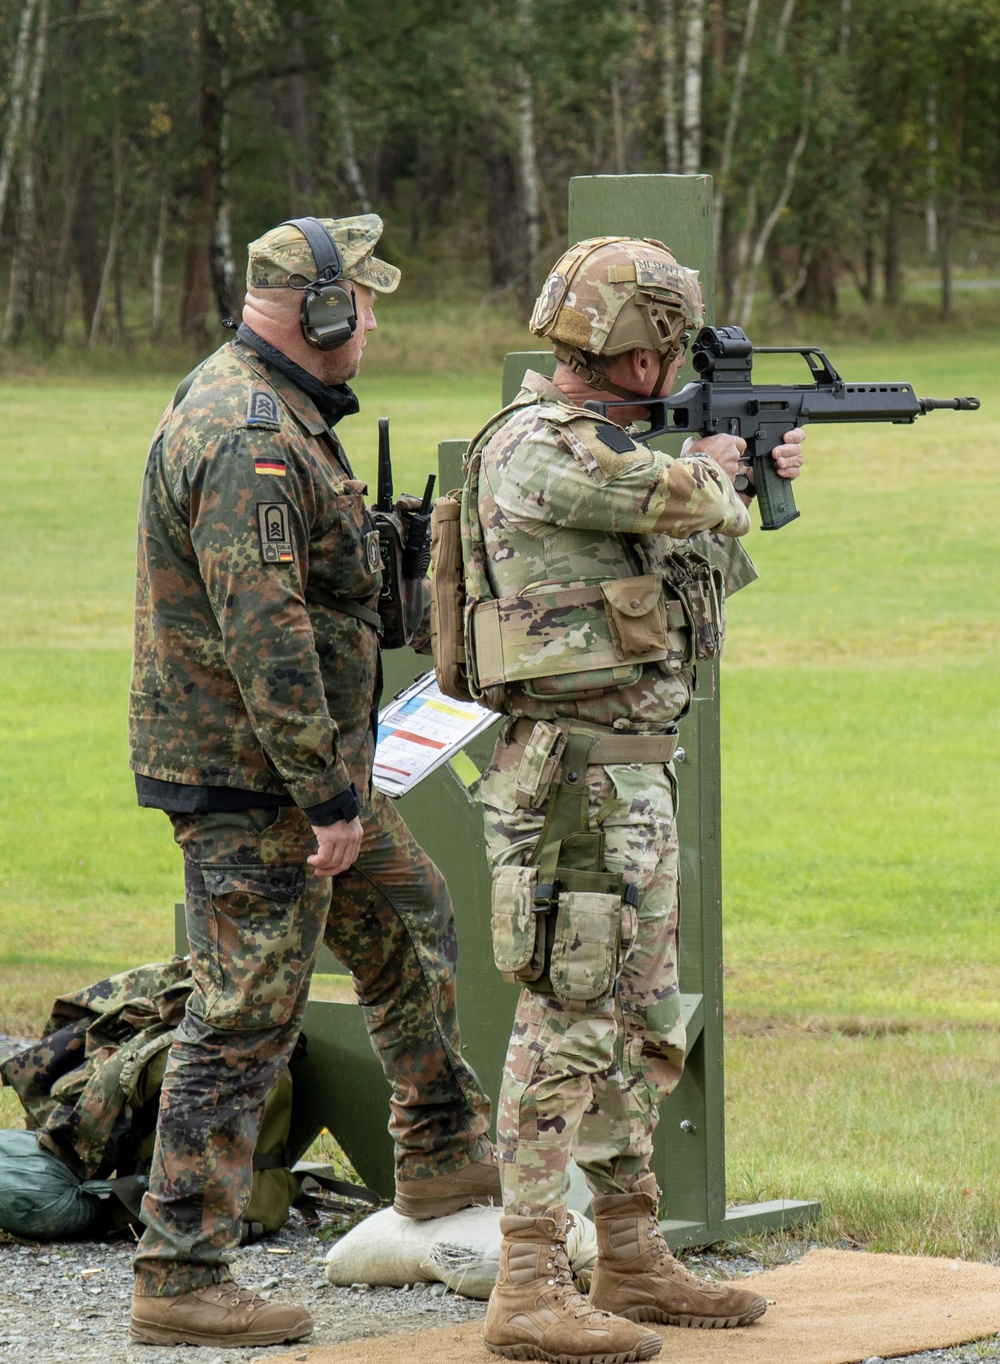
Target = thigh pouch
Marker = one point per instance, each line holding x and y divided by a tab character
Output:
557	922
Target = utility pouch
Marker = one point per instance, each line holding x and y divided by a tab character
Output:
586	945
634	609
701	590
538	765
518	931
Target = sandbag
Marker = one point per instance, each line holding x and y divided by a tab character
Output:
461	1251
40	1197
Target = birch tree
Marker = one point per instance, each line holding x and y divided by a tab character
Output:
749	281
15	110
671	142
694	44
531	205
735	111
349	151
22	260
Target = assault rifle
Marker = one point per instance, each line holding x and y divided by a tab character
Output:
725	399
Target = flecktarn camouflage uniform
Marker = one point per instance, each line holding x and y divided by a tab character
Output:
565	498
252	673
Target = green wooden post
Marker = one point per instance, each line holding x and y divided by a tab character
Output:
339	1085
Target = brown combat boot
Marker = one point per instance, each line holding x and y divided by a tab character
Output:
637	1277
535	1311
474	1185
221	1314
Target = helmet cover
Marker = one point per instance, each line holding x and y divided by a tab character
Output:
609	295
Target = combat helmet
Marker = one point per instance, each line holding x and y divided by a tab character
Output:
609	295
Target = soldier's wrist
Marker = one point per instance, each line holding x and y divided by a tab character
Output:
344	806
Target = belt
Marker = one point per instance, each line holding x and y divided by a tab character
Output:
610	747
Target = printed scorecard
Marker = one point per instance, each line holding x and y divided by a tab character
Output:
420	731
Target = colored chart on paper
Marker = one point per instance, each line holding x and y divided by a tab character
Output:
419	731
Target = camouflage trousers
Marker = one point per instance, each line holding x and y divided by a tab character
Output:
256	915
586	1081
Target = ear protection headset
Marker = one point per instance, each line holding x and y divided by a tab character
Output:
329	315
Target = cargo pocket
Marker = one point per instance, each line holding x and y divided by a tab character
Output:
586	946
260	945
634	609
518	932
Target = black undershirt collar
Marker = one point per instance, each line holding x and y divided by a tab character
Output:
333	401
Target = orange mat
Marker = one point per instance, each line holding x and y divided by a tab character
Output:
830	1307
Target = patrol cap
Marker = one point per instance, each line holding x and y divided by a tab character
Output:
284	251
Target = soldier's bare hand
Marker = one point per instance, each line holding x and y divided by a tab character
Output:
339	845
726	451
788	457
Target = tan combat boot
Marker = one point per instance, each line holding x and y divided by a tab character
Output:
221	1314
637	1277
474	1185
535	1311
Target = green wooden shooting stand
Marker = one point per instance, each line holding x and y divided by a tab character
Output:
339	1085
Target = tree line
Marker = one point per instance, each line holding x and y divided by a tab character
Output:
142	144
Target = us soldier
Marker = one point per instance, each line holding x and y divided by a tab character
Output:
254	694
599	566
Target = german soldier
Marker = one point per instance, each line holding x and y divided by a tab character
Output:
252	724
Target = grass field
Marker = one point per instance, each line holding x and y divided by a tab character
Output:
861	805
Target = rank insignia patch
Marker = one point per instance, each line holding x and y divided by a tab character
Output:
275	532
270	466
615	439
262	408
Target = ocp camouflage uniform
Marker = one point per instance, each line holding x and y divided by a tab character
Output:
565	498
255	678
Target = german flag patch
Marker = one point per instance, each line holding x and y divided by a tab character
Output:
269	466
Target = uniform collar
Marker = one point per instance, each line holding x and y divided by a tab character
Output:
535	383
316	405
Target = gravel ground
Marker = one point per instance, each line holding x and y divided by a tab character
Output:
70	1302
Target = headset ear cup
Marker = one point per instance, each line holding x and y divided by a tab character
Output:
329	317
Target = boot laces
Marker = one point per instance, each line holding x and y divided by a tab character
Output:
561	1278
231	1295
671	1266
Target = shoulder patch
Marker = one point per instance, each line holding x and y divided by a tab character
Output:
262	408
613	451
274	529
615	438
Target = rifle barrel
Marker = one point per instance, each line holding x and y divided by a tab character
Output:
956	404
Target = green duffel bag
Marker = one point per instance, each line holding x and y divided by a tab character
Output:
40	1196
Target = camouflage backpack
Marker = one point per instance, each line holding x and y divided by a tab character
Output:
90	1089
